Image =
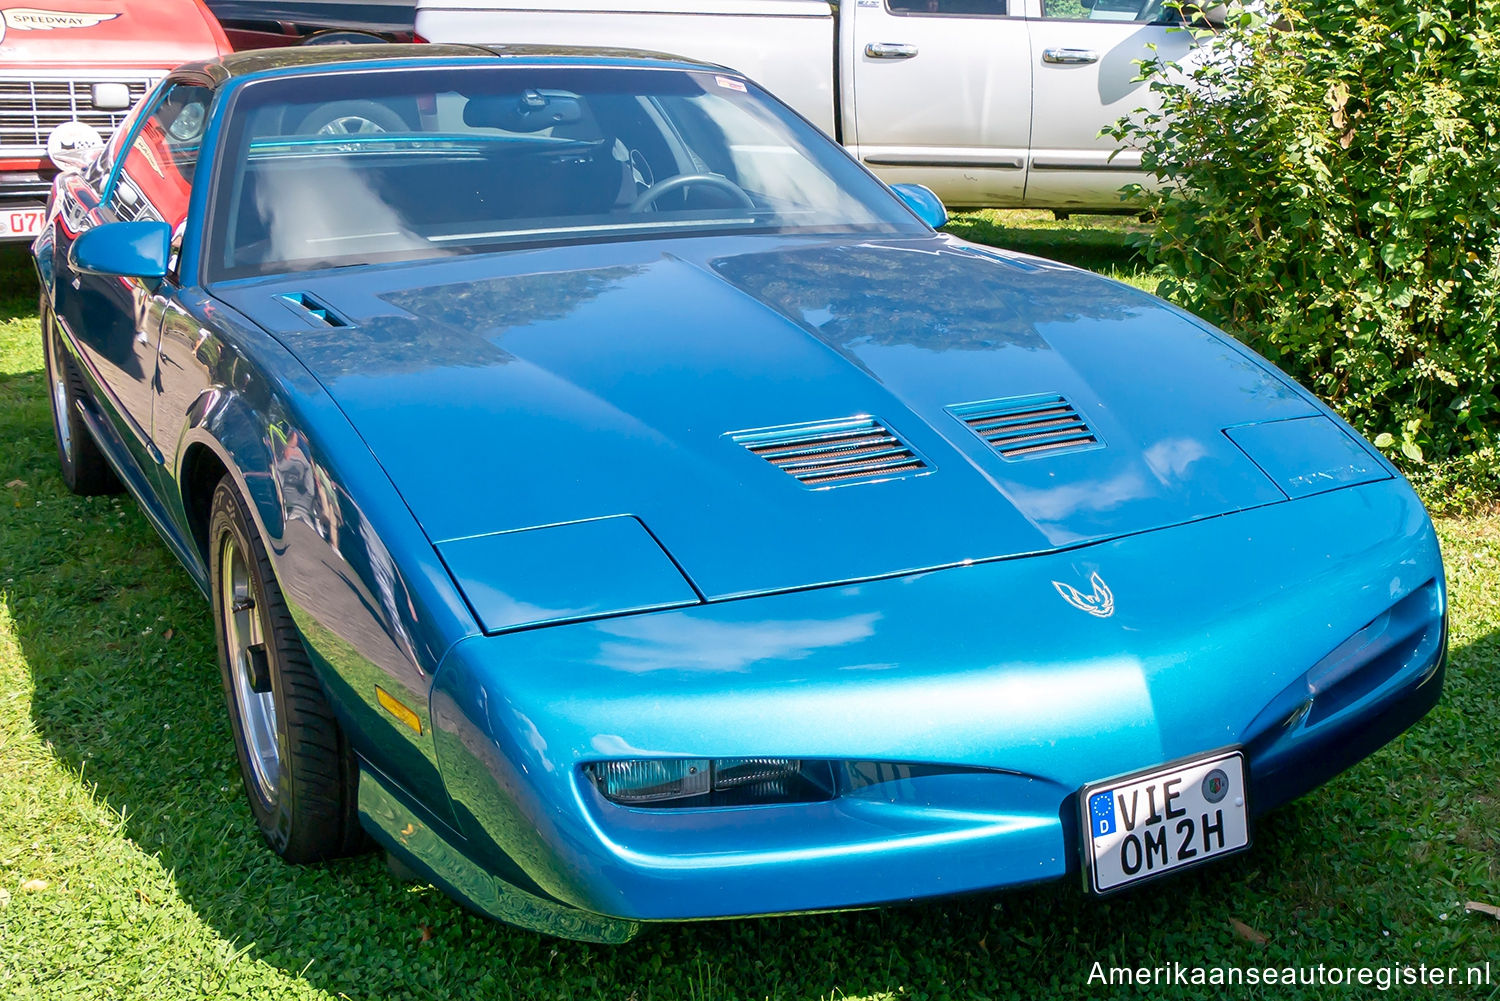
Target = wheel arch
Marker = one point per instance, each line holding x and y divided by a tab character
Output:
223	440
202	469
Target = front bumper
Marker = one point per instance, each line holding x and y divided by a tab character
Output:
23	202
1309	632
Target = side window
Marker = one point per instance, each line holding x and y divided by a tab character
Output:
156	175
1143	11
963	8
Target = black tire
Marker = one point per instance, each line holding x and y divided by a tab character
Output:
402	872
342	36
84	468
347	118
309	810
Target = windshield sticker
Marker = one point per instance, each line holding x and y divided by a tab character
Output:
36	19
728	84
148	154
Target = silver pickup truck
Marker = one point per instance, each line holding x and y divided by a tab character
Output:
987	102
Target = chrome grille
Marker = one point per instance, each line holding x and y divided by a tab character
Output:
834	452
31	106
1028	426
129	205
25	189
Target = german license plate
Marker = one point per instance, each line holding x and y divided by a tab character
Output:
1159	821
21	222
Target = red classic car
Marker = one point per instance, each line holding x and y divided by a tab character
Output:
70	71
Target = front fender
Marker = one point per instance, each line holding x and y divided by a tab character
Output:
232	430
373	603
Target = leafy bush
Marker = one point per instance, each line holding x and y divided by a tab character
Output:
1332	196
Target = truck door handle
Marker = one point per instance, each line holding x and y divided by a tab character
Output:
890	50
1070	57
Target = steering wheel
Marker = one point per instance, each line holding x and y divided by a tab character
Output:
671	184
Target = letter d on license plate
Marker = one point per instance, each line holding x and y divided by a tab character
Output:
1142	825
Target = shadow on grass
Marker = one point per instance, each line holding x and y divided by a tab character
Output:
1103	248
18	285
121	652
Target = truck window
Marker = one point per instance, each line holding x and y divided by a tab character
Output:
960	8
1143	11
157	173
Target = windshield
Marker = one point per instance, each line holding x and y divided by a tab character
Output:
345	168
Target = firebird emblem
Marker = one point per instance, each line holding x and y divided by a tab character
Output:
1100	603
36	19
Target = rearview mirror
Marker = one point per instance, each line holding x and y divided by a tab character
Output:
529	111
123	250
921	200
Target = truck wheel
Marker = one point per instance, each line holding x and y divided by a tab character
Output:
299	772
84	468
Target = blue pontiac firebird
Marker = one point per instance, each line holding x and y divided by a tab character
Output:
622	507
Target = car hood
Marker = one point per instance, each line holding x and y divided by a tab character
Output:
533	388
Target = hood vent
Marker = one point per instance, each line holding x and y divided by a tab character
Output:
1028	426
832	453
313	309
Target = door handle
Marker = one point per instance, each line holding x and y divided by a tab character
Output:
1070	57
890	50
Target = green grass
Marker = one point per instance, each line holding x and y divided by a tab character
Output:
119	791
1096	242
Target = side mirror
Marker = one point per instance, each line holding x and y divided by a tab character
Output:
921	200
123	249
